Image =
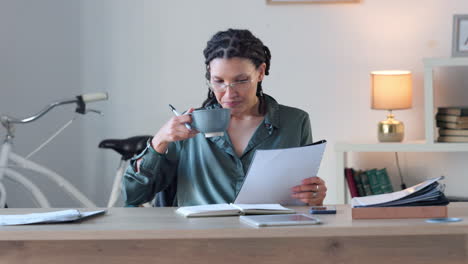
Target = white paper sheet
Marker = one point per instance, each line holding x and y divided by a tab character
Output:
49	217
274	172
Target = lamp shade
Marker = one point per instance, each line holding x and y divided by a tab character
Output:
391	90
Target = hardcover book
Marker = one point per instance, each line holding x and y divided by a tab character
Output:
452	125
365	183
453	132
349	172
452	118
384	180
374	182
358	182
453	110
452	139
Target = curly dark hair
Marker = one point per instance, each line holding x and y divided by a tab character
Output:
237	43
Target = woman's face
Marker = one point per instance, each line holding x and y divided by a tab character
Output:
238	78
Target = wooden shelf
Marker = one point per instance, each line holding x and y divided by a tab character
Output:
439	62
426	145
410	146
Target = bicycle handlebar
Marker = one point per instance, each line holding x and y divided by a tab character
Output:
80	100
88	98
94	97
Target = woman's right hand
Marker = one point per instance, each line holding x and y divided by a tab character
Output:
173	130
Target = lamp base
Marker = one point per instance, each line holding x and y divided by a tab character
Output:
391	130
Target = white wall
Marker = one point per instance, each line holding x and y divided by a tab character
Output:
40	63
149	53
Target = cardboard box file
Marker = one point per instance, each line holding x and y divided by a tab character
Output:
399	212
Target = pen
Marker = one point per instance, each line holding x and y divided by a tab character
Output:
177	114
318	142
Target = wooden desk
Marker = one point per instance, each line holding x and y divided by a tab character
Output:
157	235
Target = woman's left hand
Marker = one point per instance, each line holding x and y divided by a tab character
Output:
311	191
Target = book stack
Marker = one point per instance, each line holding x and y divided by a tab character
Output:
363	183
452	123
423	200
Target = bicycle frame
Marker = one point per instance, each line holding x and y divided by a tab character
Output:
6	154
116	185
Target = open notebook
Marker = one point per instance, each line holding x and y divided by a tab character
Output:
232	209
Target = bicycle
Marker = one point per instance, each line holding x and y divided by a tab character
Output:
128	148
7	155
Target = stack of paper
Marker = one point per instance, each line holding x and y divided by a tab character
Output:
429	192
274	172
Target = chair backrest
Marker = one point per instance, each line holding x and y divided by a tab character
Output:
167	197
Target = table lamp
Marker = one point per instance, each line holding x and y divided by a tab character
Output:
391	90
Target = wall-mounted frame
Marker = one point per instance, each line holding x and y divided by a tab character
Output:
460	36
311	1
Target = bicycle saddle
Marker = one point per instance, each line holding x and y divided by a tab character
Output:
128	147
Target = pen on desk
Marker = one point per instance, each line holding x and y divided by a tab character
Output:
177	114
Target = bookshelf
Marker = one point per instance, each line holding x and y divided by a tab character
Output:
429	144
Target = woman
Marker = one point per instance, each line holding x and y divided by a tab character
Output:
212	170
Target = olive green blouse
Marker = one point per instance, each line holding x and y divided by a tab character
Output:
208	170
